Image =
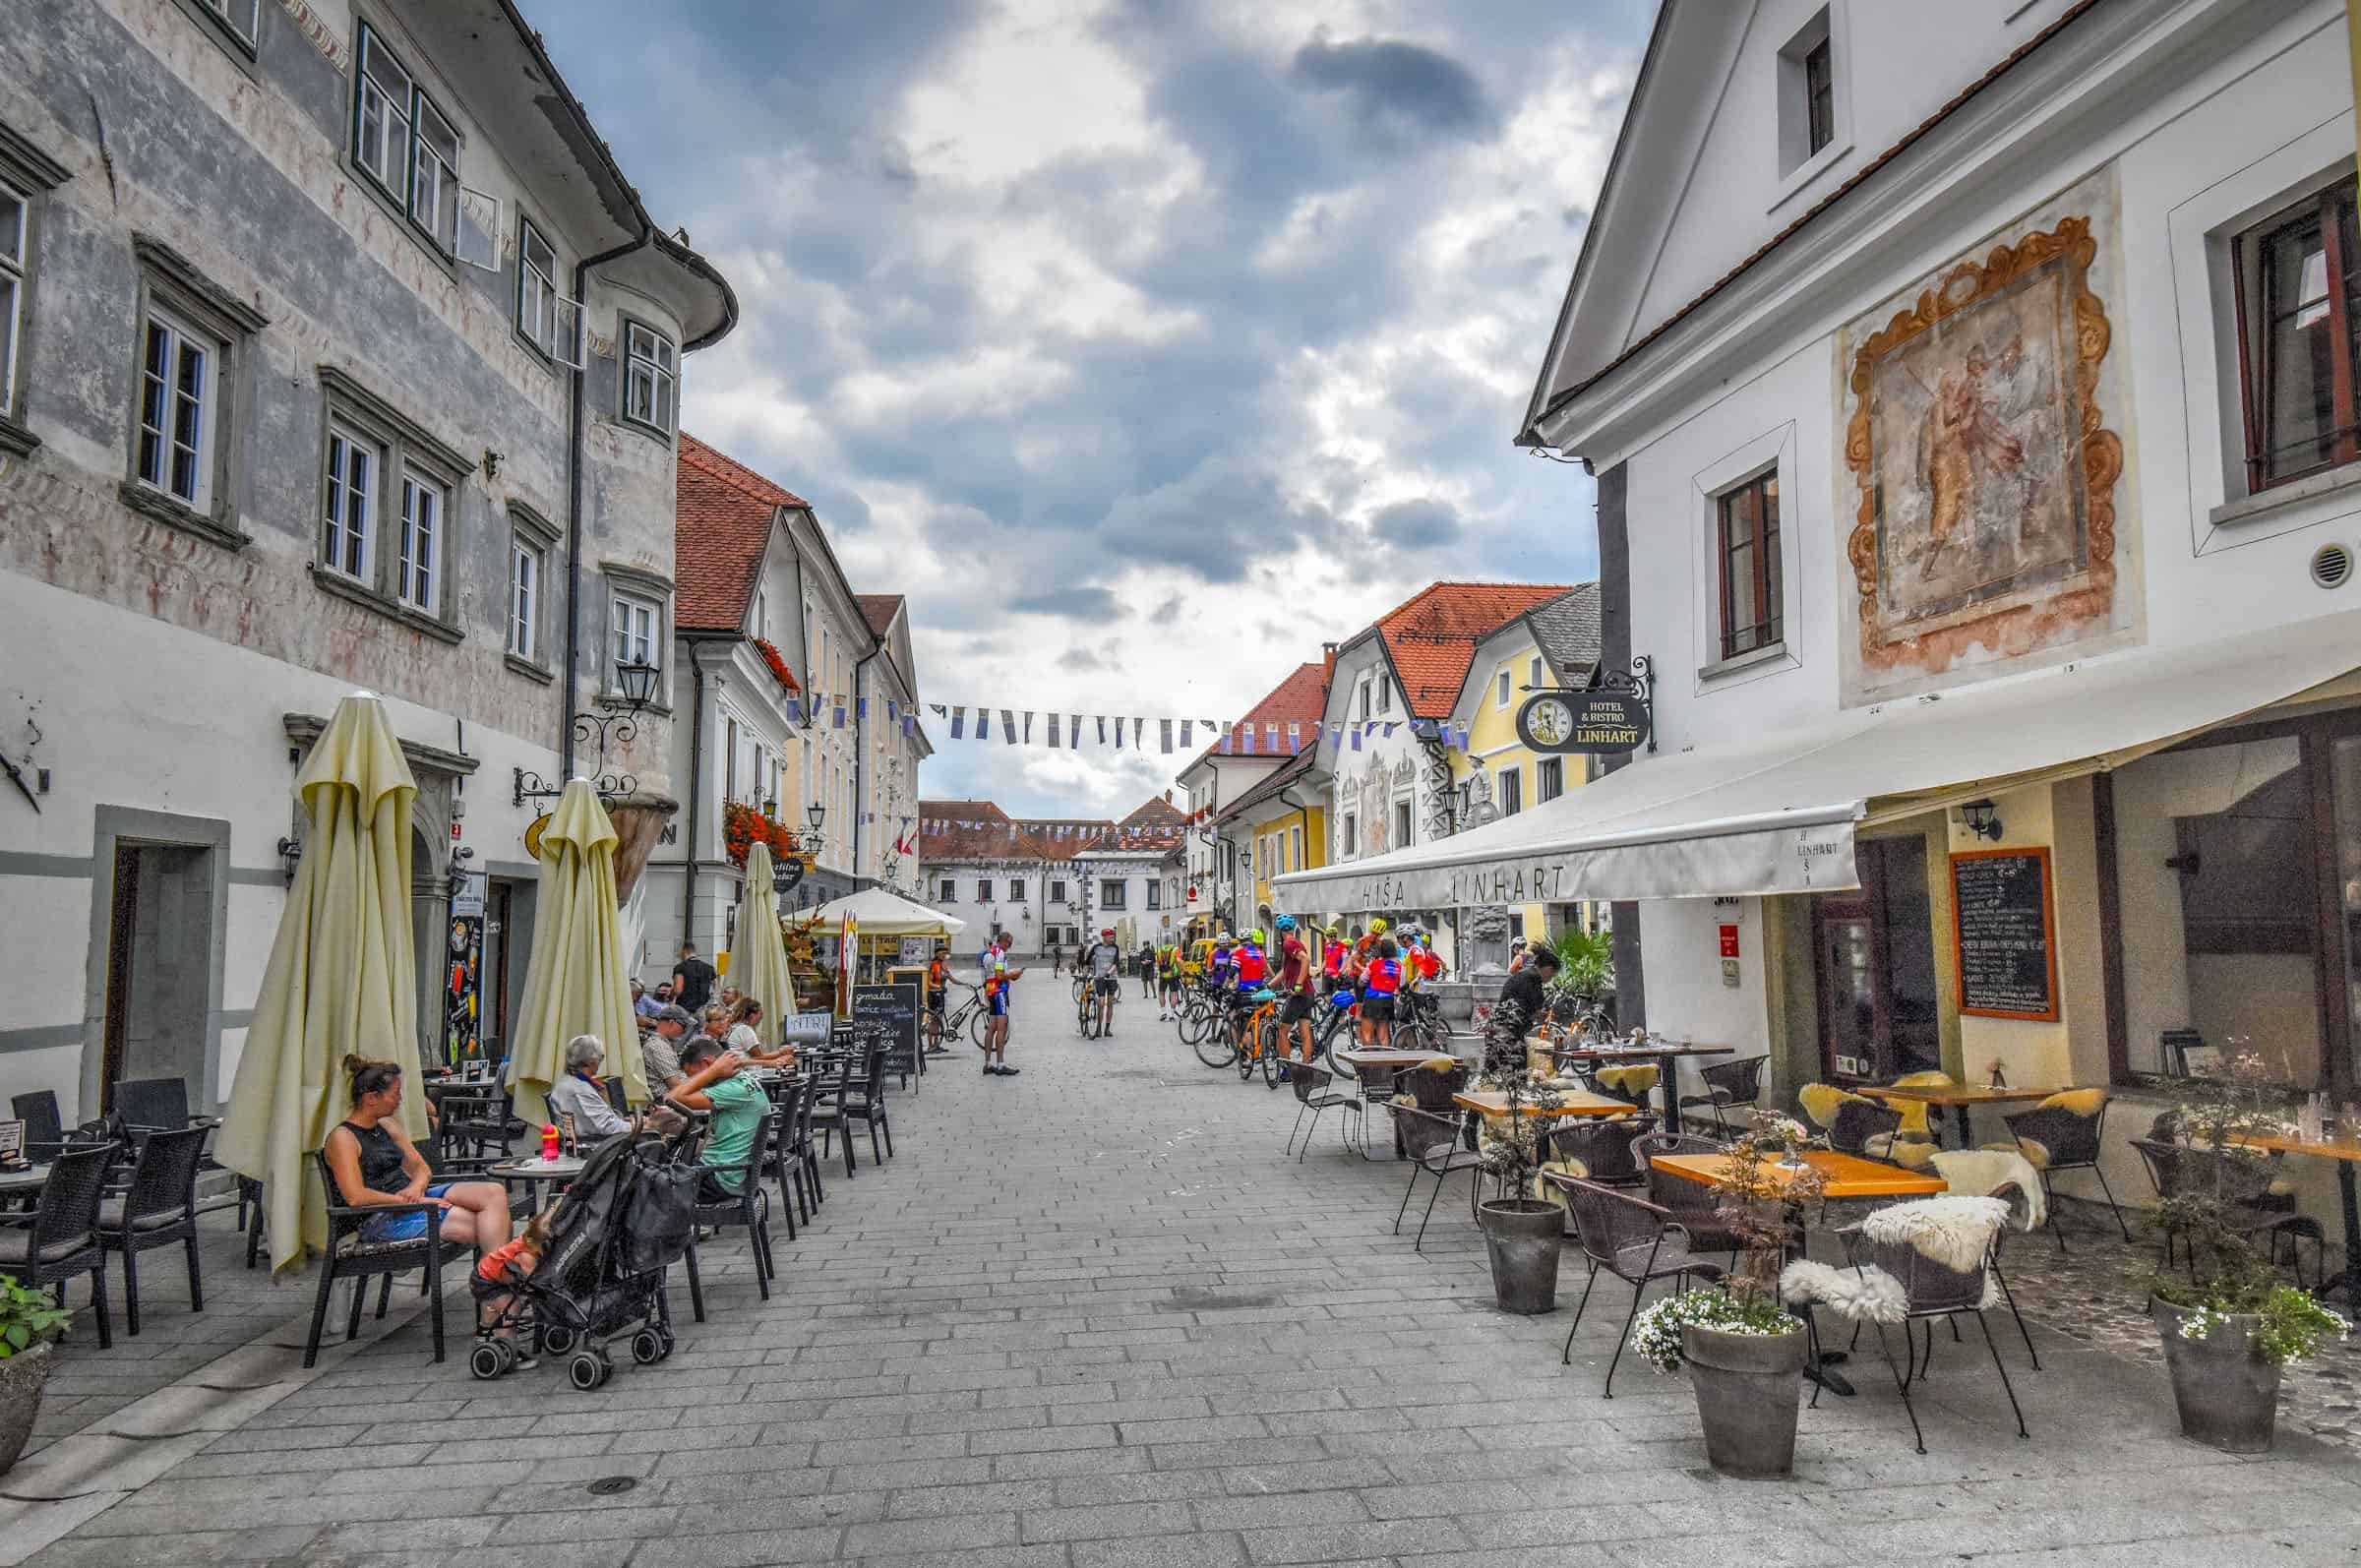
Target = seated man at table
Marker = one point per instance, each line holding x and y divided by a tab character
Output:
660	1048
717	1082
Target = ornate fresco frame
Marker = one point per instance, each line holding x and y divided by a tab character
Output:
2007	629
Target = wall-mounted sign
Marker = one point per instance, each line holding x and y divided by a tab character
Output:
1729	942
1593	723
2004	933
786	871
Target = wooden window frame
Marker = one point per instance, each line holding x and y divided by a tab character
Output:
2254	312
1769	624
1819	96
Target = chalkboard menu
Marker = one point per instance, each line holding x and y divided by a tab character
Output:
890	1010
2004	933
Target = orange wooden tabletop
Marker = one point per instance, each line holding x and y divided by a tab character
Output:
1647	1053
1952	1094
1849	1175
1570	1102
2278	1144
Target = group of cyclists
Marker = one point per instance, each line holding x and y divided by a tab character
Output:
1378	969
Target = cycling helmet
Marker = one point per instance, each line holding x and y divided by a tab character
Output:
1286	923
1257	937
1377	927
1106	933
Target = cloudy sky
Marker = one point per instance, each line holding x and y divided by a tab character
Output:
1143	343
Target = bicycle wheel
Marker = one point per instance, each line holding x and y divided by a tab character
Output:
1250	1050
1272	1044
1214	1045
1084	1015
933	1028
977	1022
1193	1021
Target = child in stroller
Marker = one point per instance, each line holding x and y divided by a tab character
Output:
497	1285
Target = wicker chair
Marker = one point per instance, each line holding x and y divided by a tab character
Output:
1313	1095
2176	1170
1432	1143
1727	1086
1631	1238
1693	1203
1605	1149
751	1208
1858	1123
59	1239
348	1258
2054	1137
158	1209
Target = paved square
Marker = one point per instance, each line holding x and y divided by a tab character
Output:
1091	1318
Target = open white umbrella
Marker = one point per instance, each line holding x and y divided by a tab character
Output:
342	979
577	982
758	952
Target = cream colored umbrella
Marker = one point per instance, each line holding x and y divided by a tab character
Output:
343	979
577	982
759	955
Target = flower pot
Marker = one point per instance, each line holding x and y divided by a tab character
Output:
20	1379
2228	1394
1748	1388
1522	1234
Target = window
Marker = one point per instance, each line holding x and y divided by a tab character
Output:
649	374
1057	892
1501	686
1385	695
1360	697
524	598
1016	888
241	17
1352	838
2298	285
634	623
1747	550
434	176
1295	839
948	892
1819	96
1534	671
1112	892
1401	824
1549	778
545	317
15	225
418	579
380	138
346	525
983	889
180	371
1511	791
1155	896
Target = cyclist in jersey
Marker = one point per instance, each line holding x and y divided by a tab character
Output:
1253	970
1364	953
997	978
1167	978
1105	961
1220	969
1382	983
1295	985
938	981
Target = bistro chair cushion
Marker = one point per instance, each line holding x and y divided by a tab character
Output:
1634	1083
1914	1113
2075	1101
1548	1191
1900	1148
1821	1100
15	1246
2035	1152
110	1216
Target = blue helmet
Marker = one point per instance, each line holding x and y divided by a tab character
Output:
1286	923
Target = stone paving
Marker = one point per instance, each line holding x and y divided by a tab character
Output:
1091	1318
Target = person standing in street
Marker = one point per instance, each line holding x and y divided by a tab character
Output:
1294	989
1167	965
1147	971
692	980
997	979
1106	963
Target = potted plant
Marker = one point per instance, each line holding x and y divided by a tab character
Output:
1586	974
1521	1231
2233	1323
28	1321
1744	1348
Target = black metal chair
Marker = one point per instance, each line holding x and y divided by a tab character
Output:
862	1099
1602	1147
2176	1170
2063	1139
1313	1093
472	1120
1635	1240
751	1208
59	1239
348	1258
793	1162
1693	1203
1432	1143
1858	1123
1727	1086
157	1209
44	1127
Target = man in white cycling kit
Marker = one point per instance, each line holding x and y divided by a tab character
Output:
1106	962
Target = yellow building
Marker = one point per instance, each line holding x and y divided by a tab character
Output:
1556	643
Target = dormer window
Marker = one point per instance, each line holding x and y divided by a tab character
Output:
1812	96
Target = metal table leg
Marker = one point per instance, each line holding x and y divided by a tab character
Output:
2348	1281
1958	1116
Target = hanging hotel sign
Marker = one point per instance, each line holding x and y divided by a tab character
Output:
1594	723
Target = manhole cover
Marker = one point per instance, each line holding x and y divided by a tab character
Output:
609	1485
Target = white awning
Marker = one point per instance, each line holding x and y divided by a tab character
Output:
1777	814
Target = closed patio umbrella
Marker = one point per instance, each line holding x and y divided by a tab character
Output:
758	954
575	983
342	979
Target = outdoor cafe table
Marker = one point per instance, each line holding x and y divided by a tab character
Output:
2345	1152
1570	1102
1959	1097
533	1171
1359	1056
1666	1057
1849	1175
18	1183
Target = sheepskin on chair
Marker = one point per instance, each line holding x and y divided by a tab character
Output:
1987	1173
1954	1232
1866	1294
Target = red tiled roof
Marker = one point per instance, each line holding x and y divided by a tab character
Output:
721	525
999	836
1433	635
1301	700
878	610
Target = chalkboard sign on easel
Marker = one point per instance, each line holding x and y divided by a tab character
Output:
890	1010
2004	933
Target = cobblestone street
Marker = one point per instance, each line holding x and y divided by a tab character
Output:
1089	1316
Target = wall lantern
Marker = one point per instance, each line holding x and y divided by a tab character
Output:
1982	818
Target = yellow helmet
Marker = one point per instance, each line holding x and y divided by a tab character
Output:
1377	927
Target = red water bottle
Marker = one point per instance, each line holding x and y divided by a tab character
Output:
549	1142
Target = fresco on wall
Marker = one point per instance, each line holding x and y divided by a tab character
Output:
1981	509
1372	795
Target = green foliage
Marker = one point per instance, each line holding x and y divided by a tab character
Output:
1585	966
1513	1147
2292	1325
1655	1334
29	1319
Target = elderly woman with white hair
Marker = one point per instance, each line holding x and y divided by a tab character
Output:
579	1094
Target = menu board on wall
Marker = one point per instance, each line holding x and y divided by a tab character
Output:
2004	933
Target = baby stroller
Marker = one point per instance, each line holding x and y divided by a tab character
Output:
625	1220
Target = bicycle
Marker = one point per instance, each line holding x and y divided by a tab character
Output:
1197	1018
1092	1012
970	1015
1256	1040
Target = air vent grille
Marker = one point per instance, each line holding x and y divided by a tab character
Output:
2332	565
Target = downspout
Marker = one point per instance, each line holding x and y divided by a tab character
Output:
860	750
696	787
577	424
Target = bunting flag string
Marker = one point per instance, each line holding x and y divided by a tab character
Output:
1062	730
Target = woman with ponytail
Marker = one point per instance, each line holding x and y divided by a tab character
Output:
375	1163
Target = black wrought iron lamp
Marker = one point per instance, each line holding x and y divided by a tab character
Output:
615	724
1982	818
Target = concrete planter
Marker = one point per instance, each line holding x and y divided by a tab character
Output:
21	1377
1748	1387
1521	1236
2228	1395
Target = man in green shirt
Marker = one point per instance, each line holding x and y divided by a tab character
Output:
717	1083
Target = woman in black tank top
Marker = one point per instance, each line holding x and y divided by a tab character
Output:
375	1163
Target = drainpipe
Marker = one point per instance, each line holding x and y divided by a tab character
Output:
697	789
860	753
577	424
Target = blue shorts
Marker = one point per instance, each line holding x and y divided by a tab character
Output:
1000	1004
402	1227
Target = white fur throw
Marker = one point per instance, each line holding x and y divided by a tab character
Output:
1867	1294
1954	1232
1987	1173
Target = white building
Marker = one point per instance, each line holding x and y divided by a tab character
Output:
335	353
1970	406
1045	883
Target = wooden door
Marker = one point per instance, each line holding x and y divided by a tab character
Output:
1851	989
